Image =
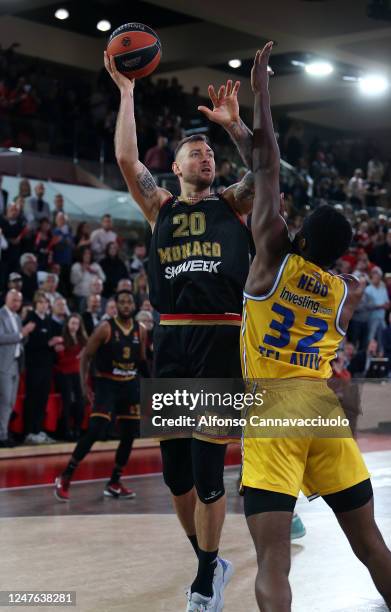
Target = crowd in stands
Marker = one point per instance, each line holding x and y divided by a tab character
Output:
67	277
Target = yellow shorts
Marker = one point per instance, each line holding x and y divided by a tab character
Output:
316	460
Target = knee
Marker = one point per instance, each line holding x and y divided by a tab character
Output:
177	466
178	480
208	469
98	427
210	486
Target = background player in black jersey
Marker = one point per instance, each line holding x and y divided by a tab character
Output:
198	265
118	347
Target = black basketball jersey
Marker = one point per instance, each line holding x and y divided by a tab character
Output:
199	258
119	358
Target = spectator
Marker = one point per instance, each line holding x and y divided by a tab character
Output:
15	281
379	304
60	312
82	237
356	188
82	274
39	367
125	284
96	287
43	245
28	265
139	260
146	305
3	198
375	171
158	159
24	189
358	362
381	255
63	242
101	237
49	288
226	176
141	290
359	324
110	310
58	206
37	208
113	268
91	316
68	377
12	335
14	229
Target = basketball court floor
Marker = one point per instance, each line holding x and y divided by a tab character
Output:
132	556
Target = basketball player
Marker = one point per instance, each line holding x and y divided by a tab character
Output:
285	341
198	264
118	347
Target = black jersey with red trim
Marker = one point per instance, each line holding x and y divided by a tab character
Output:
119	358
199	258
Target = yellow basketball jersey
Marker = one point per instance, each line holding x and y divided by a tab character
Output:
294	330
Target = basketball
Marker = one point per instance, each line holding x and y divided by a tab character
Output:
136	48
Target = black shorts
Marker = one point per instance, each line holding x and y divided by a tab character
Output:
116	399
197	351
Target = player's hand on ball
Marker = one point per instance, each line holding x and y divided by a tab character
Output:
225	104
123	83
260	72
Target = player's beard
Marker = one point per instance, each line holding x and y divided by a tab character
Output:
200	182
125	316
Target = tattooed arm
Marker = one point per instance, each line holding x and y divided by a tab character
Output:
225	112
240	196
139	180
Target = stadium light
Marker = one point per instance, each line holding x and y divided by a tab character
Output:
103	25
61	14
373	84
319	69
235	63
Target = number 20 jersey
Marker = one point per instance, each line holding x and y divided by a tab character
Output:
199	258
294	330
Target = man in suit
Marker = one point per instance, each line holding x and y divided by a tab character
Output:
12	335
37	208
91	317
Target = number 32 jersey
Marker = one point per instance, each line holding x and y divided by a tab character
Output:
294	330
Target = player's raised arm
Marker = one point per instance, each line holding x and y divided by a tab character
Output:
240	196
269	229
225	112
139	180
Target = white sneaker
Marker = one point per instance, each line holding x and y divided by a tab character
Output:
33	439
223	574
45	438
200	603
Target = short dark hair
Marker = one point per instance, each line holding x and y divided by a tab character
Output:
192	138
328	234
123	291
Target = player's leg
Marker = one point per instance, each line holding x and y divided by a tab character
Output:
128	429
97	430
178	476
208	470
269	517
354	509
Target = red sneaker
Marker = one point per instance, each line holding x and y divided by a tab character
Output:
118	490
61	491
